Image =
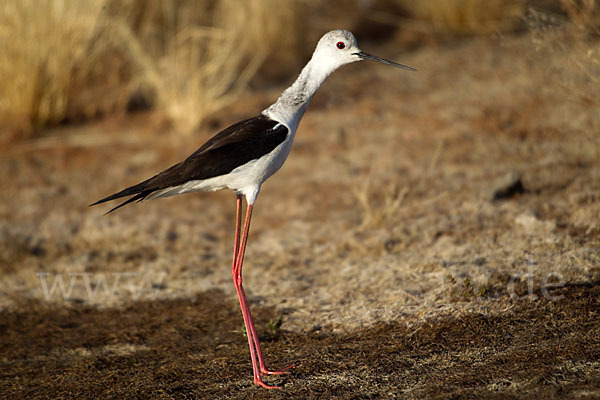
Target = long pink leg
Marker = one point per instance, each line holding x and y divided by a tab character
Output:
237	280
236	272
261	359
252	331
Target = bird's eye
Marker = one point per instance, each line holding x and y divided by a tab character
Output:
340	45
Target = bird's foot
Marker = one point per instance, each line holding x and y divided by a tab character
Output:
258	379
259	382
283	371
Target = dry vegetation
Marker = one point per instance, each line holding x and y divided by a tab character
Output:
67	60
43	43
573	49
465	16
434	233
88	57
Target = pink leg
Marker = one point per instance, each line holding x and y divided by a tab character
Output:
237	280
245	307
238	222
236	271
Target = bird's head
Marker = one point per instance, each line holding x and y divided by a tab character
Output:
339	47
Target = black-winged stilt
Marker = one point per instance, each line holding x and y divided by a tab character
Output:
244	155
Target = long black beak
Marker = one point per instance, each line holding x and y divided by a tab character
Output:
366	56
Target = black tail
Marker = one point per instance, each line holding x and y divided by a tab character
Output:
138	190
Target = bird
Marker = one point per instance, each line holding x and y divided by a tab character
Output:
243	156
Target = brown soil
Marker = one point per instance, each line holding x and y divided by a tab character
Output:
432	235
194	348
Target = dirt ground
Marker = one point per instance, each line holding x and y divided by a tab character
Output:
193	348
432	235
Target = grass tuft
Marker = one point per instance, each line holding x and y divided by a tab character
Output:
187	59
41	44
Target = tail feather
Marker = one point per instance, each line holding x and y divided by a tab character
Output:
139	197
135	189
139	192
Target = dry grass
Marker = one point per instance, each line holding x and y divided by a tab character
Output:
376	211
208	53
572	48
187	58
65	60
465	16
41	44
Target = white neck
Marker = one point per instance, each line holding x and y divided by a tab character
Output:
294	101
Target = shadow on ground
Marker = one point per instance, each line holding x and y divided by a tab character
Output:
195	349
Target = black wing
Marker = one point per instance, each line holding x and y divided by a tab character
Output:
232	147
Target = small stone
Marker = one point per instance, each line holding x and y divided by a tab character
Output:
508	187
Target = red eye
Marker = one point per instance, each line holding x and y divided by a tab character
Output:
340	45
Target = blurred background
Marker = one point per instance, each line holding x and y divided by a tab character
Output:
65	62
100	94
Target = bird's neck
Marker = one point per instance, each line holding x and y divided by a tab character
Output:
294	101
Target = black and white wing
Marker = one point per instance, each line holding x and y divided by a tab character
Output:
232	147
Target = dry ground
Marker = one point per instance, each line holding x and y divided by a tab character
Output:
379	244
192	348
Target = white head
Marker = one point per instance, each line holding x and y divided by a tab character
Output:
339	47
335	48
